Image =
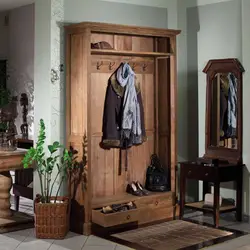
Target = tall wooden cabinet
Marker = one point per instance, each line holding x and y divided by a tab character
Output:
152	55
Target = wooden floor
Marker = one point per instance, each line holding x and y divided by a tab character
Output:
172	235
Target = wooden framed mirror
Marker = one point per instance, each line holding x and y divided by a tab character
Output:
223	138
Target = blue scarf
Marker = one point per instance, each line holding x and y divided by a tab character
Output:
131	118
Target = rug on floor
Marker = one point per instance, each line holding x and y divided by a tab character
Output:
173	235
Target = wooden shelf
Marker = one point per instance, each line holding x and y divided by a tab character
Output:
123	198
199	206
128	53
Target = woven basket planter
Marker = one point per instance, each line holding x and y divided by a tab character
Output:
51	219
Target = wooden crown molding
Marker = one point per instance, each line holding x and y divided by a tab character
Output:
215	63
121	29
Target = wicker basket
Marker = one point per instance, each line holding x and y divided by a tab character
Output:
51	219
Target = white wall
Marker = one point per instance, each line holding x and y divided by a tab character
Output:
4	36
170	5
42	66
21	59
119	13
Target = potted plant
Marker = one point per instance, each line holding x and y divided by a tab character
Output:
51	211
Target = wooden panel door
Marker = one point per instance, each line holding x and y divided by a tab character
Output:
139	156
164	111
102	161
106	179
76	127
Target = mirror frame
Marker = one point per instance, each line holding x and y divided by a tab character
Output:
212	68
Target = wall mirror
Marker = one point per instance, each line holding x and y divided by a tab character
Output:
224	110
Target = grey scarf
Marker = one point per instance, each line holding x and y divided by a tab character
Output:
232	105
131	118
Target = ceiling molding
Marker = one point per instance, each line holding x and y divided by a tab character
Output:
168	3
192	3
153	3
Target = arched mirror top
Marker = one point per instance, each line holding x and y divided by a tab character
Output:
224	109
215	66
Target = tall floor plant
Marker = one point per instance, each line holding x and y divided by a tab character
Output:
58	159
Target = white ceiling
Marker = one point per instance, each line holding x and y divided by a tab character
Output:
12	4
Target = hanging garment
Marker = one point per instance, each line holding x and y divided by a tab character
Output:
224	86
232	106
123	117
223	109
131	120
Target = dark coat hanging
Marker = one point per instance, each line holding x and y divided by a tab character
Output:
112	115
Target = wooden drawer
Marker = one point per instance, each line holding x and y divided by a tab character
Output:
199	172
148	215
161	200
113	219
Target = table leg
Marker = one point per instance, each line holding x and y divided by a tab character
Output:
182	192
205	188
5	187
239	195
216	204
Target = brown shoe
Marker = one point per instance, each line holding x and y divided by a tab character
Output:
133	189
141	188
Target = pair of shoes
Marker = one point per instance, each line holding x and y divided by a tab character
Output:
118	208
123	207
135	188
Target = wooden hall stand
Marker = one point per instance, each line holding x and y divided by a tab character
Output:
152	55
10	220
222	161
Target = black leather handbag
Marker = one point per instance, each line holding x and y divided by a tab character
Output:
157	177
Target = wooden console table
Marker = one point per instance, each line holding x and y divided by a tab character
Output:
10	220
216	174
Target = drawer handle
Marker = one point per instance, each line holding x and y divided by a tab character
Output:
189	172
156	203
128	217
206	174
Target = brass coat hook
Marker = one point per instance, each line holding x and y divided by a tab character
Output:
111	64
98	65
144	66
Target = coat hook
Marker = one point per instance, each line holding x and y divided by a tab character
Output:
144	66
133	66
98	65
111	65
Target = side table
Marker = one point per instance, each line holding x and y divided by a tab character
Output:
11	220
216	174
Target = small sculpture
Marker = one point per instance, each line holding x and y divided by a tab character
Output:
8	131
24	127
